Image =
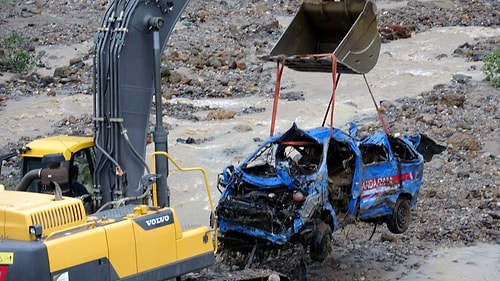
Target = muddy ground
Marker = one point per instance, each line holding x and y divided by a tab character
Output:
216	48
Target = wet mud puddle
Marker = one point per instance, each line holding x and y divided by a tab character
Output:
480	262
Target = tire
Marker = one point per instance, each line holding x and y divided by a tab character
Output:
399	221
322	243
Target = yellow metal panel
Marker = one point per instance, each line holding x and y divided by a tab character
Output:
121	247
24	209
155	240
23	201
78	248
178	231
2	214
2	223
17	226
58	144
194	241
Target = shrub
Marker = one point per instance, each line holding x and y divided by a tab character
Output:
16	56
491	67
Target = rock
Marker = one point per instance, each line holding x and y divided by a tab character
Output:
51	93
189	140
292	96
213	62
74	61
461	78
386	237
239	64
233	29
343	266
441	56
242	128
62	72
395	32
81	37
464	141
463	174
431	193
167	95
72	119
453	99
174	77
221	114
46	80
463	125
88	132
426	118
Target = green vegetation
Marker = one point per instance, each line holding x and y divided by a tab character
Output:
491	67
14	53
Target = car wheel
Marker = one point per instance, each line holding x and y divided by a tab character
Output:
399	221
322	243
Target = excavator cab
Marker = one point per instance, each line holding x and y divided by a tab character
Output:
72	156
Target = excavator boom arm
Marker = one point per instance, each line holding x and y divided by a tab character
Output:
124	87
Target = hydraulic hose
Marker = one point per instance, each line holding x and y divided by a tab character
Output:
126	199
146	180
124	133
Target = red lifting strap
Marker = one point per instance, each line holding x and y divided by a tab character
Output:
279	71
376	107
331	104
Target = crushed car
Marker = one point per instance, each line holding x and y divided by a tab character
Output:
302	185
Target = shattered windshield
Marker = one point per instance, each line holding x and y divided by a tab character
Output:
262	163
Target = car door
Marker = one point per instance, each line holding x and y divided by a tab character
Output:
380	178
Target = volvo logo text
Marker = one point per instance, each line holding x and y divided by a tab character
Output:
158	220
155	220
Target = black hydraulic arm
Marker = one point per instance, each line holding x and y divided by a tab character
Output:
128	49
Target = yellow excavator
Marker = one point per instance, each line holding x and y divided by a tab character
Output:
92	208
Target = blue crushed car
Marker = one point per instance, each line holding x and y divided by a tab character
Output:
302	185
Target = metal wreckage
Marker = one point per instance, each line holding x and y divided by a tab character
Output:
301	186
